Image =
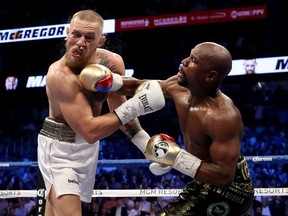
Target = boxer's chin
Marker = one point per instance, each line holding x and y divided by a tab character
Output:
74	61
181	81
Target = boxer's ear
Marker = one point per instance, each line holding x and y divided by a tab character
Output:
102	40
67	31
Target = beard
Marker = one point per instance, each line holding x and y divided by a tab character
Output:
76	64
182	81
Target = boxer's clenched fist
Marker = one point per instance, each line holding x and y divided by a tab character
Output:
161	148
96	77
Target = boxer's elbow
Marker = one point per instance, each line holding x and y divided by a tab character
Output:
220	176
90	136
91	140
225	181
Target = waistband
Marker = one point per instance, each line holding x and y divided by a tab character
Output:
57	131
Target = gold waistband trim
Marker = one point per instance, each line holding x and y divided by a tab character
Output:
57	131
241	163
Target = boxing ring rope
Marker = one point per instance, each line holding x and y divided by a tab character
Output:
280	159
4	194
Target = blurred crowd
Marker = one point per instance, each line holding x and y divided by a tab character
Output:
265	175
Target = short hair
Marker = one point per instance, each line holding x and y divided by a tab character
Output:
89	15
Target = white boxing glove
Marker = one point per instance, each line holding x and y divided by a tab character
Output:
141	139
148	100
96	77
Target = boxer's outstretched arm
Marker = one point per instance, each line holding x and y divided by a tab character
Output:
97	77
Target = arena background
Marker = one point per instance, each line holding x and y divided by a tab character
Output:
152	53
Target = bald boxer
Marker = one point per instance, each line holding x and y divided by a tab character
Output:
68	143
212	129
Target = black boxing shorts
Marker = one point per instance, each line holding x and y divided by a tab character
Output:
204	199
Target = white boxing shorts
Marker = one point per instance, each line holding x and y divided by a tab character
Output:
66	160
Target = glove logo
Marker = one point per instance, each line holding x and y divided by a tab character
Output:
145	103
160	149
